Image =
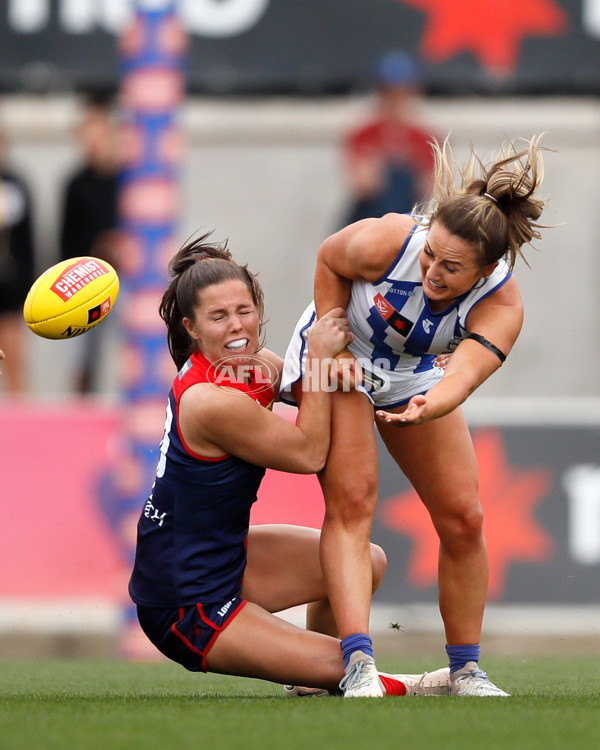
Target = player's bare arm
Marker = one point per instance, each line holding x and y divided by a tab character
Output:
215	421
498	319
256	434
360	251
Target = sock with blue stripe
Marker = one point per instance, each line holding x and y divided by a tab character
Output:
459	655
356	642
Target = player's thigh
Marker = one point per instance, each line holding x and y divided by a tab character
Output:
258	644
439	461
352	467
283	567
352	431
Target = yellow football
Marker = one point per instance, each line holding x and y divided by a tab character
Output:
71	297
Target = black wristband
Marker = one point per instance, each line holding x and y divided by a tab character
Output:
488	345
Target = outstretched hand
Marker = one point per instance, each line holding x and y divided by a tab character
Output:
415	413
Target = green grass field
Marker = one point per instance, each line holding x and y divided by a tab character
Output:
109	705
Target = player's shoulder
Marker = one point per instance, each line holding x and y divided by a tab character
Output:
399	222
214	401
198	394
204	395
206	404
393	229
379	241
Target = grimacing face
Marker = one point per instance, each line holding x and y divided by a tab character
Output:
226	322
449	266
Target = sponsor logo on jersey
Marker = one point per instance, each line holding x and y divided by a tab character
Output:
393	318
77	276
153	513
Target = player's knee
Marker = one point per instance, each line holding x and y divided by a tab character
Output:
351	501
378	565
463	528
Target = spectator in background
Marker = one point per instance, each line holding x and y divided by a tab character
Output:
389	160
16	272
90	210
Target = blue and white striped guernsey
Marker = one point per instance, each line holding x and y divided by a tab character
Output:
391	318
396	333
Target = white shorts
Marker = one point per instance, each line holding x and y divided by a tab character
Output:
385	388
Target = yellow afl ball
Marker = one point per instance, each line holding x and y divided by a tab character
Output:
71	297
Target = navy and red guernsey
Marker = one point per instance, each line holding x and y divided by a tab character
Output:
191	542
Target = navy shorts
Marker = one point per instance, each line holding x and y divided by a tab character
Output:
187	634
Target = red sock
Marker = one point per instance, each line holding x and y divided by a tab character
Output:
392	687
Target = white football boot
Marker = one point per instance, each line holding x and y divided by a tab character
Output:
428	683
470	680
361	679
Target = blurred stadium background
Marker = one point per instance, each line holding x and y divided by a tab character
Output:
271	89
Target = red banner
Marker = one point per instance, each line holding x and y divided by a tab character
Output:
62	535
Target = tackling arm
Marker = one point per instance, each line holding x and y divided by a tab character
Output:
498	319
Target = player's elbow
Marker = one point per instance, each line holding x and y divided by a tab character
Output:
316	464
313	460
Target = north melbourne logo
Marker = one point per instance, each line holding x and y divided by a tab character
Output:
393	318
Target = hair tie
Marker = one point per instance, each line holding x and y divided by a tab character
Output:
491	197
202	256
